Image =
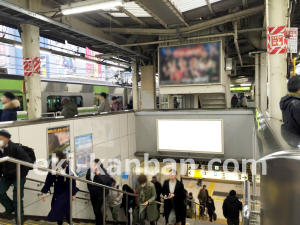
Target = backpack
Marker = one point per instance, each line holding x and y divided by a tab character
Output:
30	153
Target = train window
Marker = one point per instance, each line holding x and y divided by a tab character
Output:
54	102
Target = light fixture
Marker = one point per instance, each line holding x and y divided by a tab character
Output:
118	68
90	5
18	46
45	52
231	85
246	85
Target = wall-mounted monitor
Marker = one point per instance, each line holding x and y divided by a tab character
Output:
190	64
193	136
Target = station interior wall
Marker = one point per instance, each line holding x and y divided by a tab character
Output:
238	132
113	135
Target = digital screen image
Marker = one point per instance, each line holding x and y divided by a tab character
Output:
190	135
190	64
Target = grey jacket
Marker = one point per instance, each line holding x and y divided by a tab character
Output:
104	106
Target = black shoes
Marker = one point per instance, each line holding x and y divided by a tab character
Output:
6	214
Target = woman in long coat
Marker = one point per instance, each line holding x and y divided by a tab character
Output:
174	195
60	204
146	201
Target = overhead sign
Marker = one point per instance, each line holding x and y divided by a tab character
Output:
240	89
277	41
293	42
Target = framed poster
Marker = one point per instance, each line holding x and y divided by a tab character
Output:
58	140
83	151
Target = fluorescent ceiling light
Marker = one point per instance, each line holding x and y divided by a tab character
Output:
246	85
121	69
18	46
231	85
86	6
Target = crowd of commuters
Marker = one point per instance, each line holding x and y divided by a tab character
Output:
239	102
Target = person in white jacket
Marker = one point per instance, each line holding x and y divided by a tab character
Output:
115	200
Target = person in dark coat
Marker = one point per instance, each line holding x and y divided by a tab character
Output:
60	204
290	107
210	207
158	189
234	101
10	107
69	108
131	200
130	104
8	174
231	208
99	175
174	195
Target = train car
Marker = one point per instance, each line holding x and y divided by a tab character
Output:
82	91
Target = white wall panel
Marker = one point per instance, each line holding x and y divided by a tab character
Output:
124	144
113	148
123	124
113	127
82	126
132	144
101	152
35	136
131	123
99	126
14	131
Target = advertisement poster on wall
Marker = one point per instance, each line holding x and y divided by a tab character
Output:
190	64
58	140
83	151
112	168
43	66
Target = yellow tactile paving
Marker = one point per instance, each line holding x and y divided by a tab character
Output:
211	188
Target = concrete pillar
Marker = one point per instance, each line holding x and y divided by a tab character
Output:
171	101
257	81
148	88
263	82
276	11
31	49
135	88
227	84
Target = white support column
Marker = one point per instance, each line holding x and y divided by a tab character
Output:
257	81
277	66
148	89
135	88
31	49
263	82
170	102
196	101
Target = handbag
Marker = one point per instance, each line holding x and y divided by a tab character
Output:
214	216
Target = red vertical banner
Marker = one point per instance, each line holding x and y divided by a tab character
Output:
31	66
88	53
277	41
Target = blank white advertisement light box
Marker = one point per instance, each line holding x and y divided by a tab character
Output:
190	135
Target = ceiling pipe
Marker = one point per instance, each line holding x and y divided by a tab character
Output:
236	43
196	38
193	28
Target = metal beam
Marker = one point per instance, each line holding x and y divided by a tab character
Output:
151	13
210	8
236	42
176	12
68	27
185	30
110	18
133	17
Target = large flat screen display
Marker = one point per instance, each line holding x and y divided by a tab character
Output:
190	135
190	64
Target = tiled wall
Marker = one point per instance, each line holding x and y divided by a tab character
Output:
113	135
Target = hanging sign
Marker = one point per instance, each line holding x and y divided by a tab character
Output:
31	66
293	39
277	41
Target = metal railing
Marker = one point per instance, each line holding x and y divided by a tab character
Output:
71	178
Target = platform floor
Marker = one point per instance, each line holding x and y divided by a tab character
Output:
220	189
